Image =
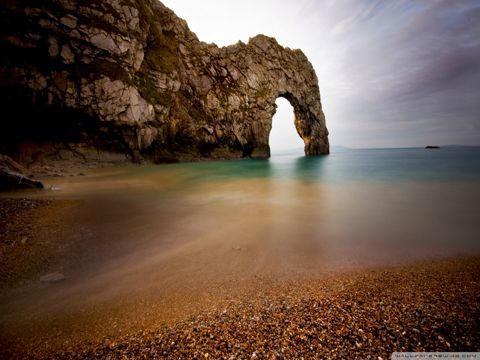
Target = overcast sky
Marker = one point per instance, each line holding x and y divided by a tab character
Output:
391	73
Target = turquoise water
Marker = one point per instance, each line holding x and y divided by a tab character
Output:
350	165
355	207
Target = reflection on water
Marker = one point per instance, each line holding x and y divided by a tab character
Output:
186	228
287	214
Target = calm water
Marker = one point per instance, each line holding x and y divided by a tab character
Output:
166	237
352	165
293	213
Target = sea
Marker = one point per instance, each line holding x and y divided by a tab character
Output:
147	244
291	213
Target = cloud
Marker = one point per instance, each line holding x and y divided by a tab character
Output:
391	73
411	67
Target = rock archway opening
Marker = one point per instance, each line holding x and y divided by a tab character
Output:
283	135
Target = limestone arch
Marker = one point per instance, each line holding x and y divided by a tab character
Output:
309	122
283	128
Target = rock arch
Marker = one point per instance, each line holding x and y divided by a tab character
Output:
144	80
283	134
310	125
256	74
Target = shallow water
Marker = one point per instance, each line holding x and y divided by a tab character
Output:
173	235
350	208
291	215
287	214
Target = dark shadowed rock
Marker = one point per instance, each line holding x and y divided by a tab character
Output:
128	76
11	176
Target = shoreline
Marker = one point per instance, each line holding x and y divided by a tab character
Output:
426	305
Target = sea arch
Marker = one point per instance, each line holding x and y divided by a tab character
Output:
283	135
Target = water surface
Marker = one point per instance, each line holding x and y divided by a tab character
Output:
165	237
290	212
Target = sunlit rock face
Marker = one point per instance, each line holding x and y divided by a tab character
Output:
130	77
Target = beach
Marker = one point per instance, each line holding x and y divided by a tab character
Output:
266	259
369	313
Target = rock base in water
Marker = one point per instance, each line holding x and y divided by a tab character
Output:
11	176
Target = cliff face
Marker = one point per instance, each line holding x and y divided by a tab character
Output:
128	76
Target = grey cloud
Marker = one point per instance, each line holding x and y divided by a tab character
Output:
391	72
412	68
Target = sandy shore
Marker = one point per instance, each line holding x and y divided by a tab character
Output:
430	306
424	306
31	238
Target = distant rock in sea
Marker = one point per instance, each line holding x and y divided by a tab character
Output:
432	147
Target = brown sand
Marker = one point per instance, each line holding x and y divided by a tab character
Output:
31	237
431	306
426	306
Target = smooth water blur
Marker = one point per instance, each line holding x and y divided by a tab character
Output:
351	165
176	234
292	213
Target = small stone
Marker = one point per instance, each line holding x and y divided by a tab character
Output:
24	240
52	277
53	49
67	54
69	21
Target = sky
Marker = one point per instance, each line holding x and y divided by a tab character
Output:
394	73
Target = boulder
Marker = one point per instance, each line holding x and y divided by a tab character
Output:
11	176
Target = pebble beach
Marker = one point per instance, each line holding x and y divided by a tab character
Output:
365	314
431	306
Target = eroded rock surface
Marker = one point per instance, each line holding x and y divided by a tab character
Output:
129	76
12	176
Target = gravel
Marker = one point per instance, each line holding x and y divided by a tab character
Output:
30	240
431	306
367	314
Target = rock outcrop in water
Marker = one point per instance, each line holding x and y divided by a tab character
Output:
88	78
12	176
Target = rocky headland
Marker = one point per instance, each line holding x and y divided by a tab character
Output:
126	80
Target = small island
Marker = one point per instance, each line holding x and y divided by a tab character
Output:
432	147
